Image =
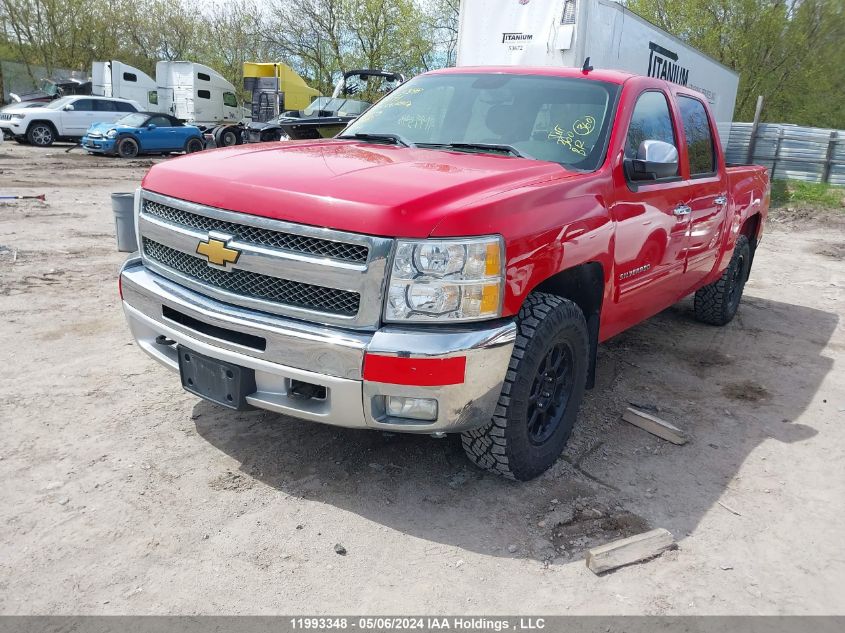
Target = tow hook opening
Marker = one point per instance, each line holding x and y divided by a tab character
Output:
163	340
306	390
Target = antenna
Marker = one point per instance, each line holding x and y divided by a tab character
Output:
586	67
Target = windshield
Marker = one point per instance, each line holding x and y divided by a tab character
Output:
49	87
132	120
367	88
337	107
58	104
547	118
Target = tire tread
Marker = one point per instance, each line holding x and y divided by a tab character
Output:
487	446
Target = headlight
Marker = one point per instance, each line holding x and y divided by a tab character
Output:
111	133
446	280
18	116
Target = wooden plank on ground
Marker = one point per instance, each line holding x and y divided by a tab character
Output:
654	425
629	550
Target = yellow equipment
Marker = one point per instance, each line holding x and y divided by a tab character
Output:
275	88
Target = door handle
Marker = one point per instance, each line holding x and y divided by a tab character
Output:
720	201
682	209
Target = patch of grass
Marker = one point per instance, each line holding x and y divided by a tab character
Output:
816	193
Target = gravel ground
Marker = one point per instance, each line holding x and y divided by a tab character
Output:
123	494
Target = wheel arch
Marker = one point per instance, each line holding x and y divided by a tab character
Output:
584	285
751	229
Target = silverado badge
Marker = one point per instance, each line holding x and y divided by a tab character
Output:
216	251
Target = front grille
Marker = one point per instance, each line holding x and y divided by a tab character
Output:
250	284
5	117
355	253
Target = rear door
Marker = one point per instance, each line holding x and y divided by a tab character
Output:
106	111
651	218
708	195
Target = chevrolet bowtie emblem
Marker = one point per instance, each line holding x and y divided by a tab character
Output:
217	253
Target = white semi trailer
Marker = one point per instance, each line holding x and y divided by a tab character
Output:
196	93
566	32
116	79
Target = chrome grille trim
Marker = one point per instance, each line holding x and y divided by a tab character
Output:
337	280
256	285
356	253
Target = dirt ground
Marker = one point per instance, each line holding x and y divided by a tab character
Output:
123	494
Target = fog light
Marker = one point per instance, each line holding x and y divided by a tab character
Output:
413	408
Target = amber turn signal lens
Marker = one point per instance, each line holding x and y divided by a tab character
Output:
494	261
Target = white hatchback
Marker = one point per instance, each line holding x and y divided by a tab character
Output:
63	119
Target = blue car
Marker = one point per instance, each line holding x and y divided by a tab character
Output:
143	133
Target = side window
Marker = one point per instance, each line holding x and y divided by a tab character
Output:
204	94
152	97
230	100
699	136
130	77
84	105
651	121
159	121
123	106
203	77
102	105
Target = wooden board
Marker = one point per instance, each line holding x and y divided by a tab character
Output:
654	425
629	550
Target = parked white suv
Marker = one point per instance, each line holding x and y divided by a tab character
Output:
63	119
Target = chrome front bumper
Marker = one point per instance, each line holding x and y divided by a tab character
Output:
282	350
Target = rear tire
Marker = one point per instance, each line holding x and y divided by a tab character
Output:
127	147
717	303
41	134
542	392
228	137
194	145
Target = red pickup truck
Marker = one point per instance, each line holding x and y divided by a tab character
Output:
451	261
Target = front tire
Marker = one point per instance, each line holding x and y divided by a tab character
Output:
542	392
41	134
717	303
127	147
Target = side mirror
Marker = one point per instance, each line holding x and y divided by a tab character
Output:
655	159
68	107
151	126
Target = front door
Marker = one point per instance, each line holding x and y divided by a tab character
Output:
652	221
76	122
161	137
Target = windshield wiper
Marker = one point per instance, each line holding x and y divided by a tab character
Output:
395	139
491	147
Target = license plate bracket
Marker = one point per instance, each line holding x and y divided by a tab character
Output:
220	382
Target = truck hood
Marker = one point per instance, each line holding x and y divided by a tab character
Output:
347	185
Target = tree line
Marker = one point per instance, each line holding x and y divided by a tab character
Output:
790	51
318	38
